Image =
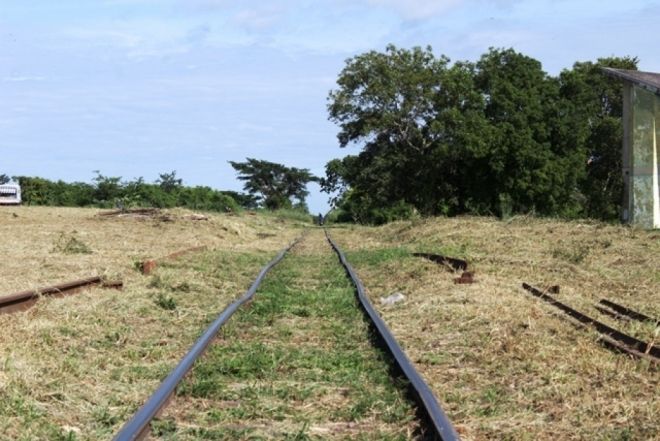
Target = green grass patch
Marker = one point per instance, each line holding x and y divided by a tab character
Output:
374	257
300	359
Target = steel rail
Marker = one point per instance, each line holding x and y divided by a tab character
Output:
629	312
609	335
138	426
443	428
21	301
451	262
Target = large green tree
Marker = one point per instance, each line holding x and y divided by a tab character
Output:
497	136
526	169
276	185
404	107
592	107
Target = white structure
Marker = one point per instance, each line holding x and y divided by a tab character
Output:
641	132
10	194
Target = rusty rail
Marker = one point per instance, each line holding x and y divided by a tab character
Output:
450	262
21	301
627	312
610	336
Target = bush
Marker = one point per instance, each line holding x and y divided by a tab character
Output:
398	211
107	192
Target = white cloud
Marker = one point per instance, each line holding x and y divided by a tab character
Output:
20	79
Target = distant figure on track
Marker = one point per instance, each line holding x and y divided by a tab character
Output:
320	219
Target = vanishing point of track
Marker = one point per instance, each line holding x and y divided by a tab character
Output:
435	421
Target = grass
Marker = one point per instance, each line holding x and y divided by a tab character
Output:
504	365
296	364
77	367
70	244
289	214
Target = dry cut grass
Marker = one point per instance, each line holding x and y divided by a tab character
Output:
43	245
78	367
504	364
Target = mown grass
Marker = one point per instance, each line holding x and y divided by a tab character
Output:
119	361
296	364
76	368
503	364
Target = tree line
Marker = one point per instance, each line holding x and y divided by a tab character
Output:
110	191
268	185
497	136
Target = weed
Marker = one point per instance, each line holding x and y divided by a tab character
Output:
166	302
575	254
70	244
137	265
492	399
156	282
103	416
163	427
65	435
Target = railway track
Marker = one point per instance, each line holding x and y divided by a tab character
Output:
645	349
313	308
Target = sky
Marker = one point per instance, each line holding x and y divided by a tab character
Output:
135	88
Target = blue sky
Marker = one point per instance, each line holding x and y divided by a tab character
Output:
138	87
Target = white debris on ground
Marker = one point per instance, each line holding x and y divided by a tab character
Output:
392	299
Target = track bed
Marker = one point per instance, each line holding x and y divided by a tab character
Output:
297	363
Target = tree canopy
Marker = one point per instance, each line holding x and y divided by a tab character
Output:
496	136
275	185
169	182
107	191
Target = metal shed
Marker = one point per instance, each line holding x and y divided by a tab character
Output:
641	130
